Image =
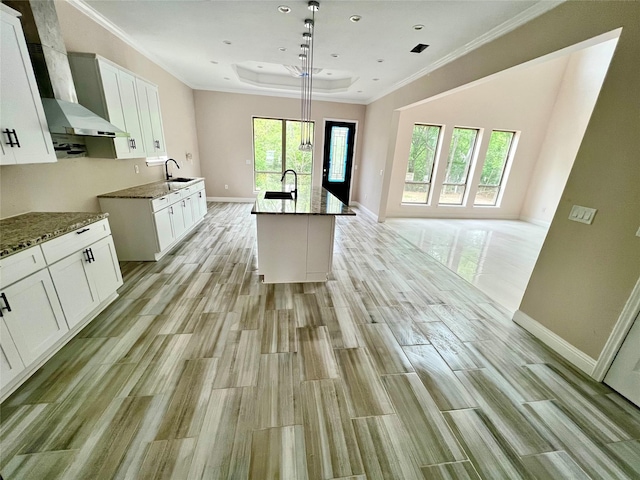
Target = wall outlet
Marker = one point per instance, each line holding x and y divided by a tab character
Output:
189	157
226	187
582	214
248	162
136	169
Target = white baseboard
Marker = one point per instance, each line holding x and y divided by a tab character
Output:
535	221
231	199
365	211
558	344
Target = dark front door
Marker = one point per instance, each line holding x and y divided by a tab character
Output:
339	139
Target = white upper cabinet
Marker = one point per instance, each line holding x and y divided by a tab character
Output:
151	119
126	100
23	126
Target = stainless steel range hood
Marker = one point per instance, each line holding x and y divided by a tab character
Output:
53	73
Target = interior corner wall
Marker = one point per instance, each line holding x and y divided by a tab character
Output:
566	126
73	184
585	273
225	133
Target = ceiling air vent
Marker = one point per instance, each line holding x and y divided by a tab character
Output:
419	48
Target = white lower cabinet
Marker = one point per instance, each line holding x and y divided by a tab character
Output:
147	229
32	313
86	278
10	362
55	288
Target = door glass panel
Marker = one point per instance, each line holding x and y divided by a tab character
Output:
338	154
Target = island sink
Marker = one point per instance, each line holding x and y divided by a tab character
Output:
278	195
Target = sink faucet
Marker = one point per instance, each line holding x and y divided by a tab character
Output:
166	167
295	190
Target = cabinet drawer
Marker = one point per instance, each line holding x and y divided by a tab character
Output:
159	203
175	197
198	186
71	242
187	191
20	265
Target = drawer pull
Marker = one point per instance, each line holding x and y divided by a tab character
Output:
83	230
7	307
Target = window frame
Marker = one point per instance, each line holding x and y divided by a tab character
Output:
436	155
283	150
507	163
472	159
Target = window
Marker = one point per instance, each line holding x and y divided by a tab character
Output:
275	149
498	154
463	143
417	182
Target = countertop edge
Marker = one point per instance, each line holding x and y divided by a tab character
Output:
32	241
149	196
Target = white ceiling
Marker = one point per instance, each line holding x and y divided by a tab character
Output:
373	55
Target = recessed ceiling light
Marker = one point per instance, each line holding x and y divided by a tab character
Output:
376	79
355	18
226	42
335	55
329	73
283	49
284	9
214	62
359	91
260	66
380	60
226	78
418	27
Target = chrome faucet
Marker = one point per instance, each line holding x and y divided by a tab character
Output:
166	167
295	190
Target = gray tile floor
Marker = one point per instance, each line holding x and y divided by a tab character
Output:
395	368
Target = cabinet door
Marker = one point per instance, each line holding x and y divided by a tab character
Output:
187	208
22	122
73	284
131	113
151	118
36	321
201	204
164	230
10	361
104	269
113	99
177	219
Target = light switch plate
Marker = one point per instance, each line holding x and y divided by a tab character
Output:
582	214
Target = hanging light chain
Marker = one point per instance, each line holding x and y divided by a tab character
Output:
306	57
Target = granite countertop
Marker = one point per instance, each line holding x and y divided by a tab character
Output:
318	202
151	190
29	229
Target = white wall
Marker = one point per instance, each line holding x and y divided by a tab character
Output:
520	100
566	126
225	133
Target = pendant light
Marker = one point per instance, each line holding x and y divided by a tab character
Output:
306	89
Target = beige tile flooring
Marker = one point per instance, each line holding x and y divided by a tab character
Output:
393	369
496	256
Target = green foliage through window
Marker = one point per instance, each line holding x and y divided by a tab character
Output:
271	139
422	154
494	166
463	143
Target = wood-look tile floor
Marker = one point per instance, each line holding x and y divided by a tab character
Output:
395	368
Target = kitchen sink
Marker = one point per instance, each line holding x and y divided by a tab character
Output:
181	179
278	195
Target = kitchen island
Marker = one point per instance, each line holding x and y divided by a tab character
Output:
295	237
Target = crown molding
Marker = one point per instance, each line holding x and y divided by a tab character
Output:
496	32
118	32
